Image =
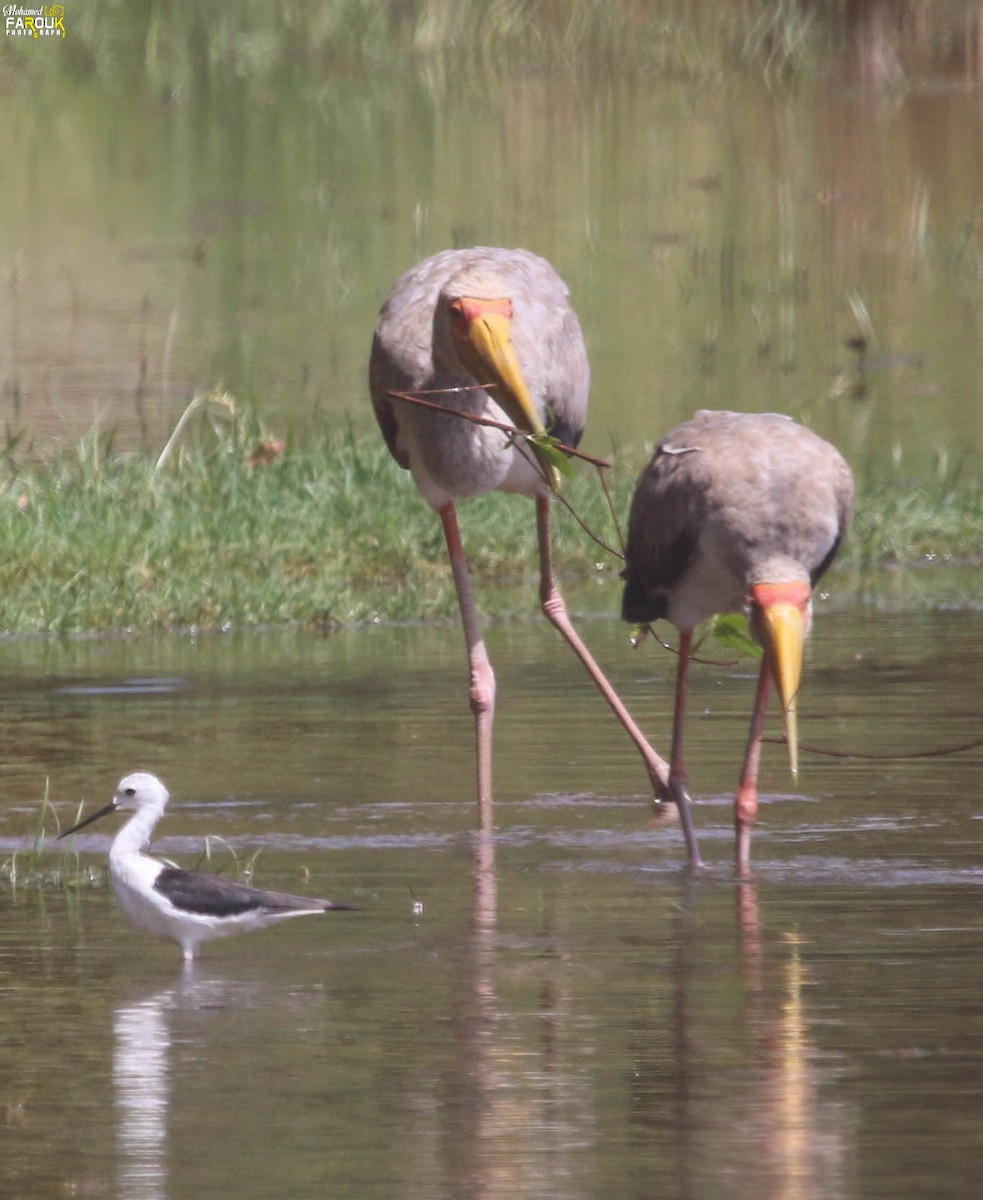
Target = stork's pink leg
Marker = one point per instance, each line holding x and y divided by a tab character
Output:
678	778
677	769
746	798
555	609
482	675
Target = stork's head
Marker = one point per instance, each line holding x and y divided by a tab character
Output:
479	319
781	613
481	338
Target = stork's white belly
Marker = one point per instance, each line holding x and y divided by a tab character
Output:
453	459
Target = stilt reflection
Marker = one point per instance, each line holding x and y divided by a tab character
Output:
141	1076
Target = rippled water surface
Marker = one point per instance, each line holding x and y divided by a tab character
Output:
563	1012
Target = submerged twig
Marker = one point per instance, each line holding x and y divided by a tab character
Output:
642	631
888	755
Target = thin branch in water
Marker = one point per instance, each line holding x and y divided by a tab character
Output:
647	630
886	756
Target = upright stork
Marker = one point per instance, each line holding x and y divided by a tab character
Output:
737	512
493	333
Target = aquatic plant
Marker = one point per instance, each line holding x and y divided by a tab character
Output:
36	868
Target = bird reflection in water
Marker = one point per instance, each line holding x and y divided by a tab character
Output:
758	1118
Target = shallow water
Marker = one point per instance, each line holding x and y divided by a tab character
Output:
570	1014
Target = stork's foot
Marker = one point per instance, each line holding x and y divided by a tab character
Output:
680	799
483	709
743	859
745	813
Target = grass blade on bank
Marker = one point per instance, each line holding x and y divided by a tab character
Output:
232	528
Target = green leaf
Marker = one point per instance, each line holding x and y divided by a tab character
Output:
733	632
550	454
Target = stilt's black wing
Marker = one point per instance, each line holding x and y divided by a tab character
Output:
213	896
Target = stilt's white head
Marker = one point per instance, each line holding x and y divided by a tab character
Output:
138	792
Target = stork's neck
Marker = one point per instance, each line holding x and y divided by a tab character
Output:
779	569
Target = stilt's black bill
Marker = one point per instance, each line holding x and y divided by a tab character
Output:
102	812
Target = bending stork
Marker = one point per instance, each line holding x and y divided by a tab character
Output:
737	512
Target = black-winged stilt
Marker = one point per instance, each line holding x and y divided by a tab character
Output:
186	906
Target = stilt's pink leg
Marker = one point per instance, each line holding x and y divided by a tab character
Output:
746	798
482	675
556	611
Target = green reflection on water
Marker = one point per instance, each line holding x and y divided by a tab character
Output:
192	202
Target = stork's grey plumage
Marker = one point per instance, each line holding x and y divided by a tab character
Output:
415	350
188	907
737	512
498	326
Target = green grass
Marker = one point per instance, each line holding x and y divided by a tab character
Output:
36	869
332	531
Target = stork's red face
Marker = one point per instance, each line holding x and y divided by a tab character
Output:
466	309
482	332
780	617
